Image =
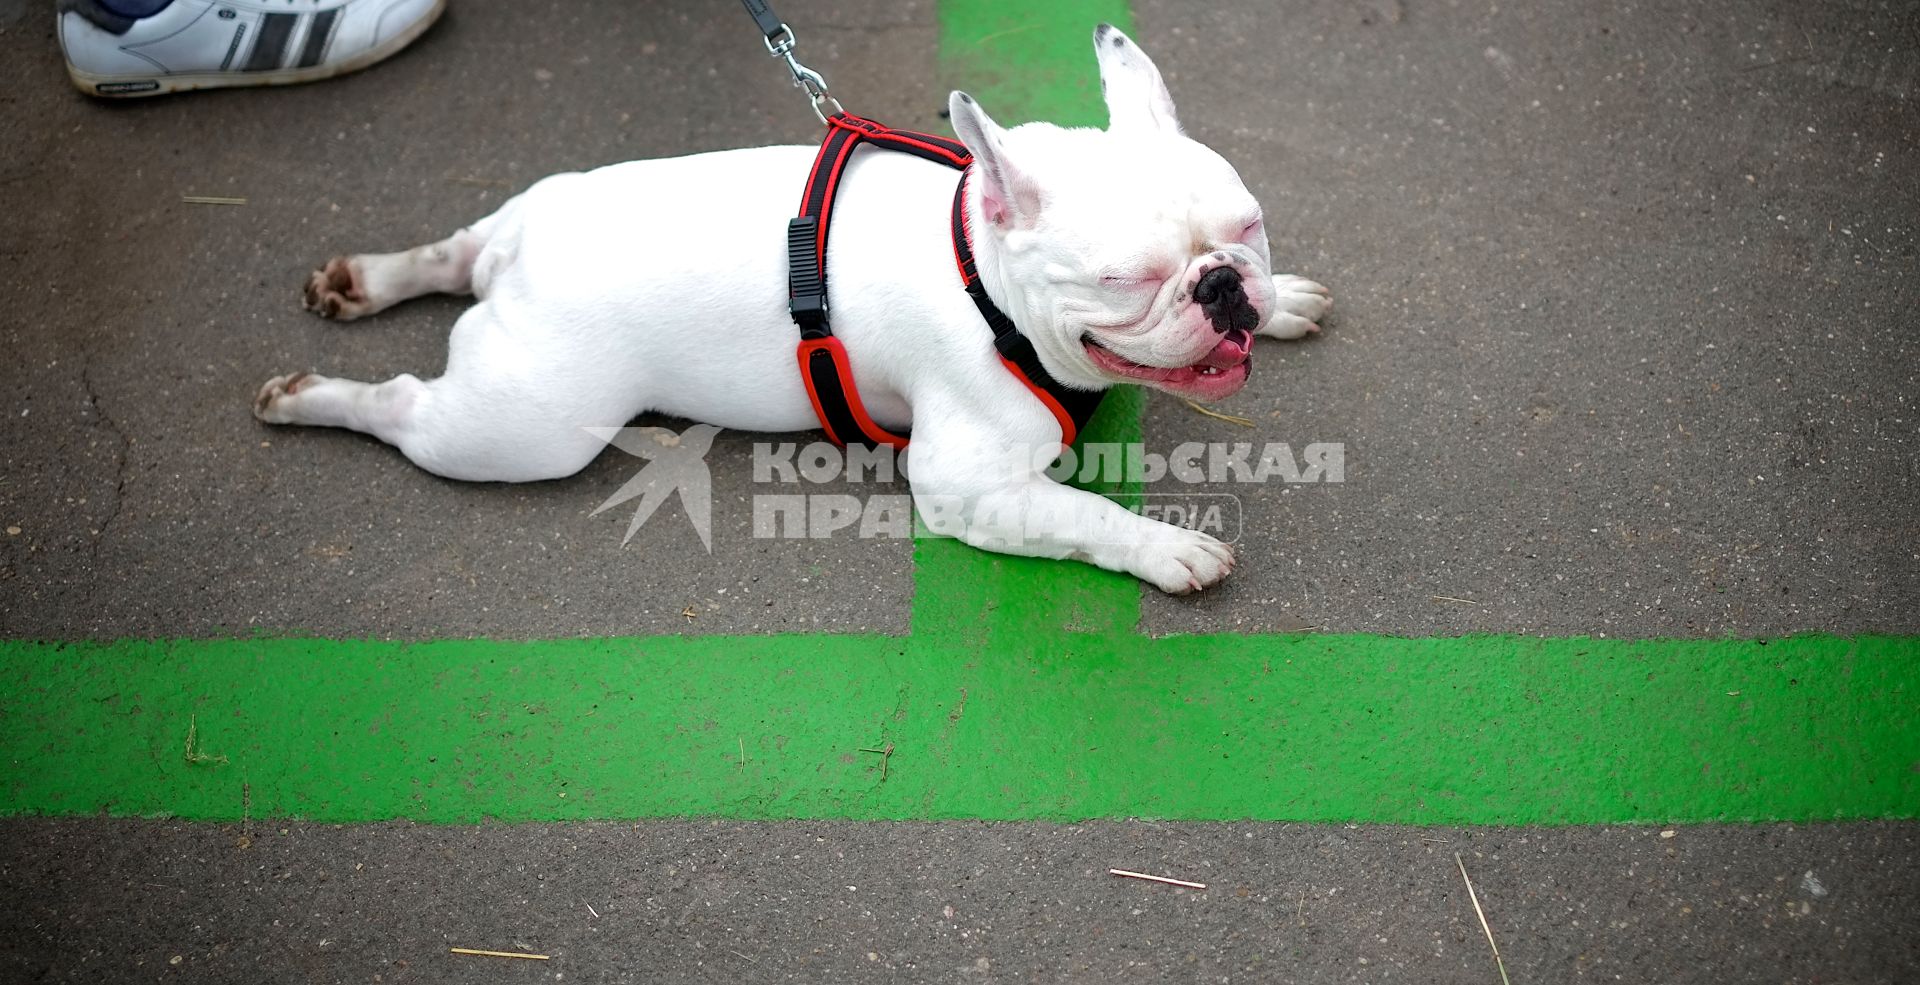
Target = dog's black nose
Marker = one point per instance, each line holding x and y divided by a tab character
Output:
1219	293
1218	285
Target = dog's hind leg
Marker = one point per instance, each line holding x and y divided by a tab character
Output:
384	410
485	420
438	424
350	287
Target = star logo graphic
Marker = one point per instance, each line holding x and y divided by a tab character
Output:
677	463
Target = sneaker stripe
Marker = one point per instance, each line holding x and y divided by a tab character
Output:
319	35
271	47
233	47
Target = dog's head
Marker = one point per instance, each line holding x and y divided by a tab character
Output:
1130	255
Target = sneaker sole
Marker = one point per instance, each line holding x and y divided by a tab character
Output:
138	86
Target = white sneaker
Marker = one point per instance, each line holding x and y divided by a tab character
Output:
205	44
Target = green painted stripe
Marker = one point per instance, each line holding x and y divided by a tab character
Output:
963	594
1029	61
1021	692
1487	730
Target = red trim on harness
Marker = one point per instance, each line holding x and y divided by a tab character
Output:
833	185
844	370
966	229
959	160
868	129
848	131
813	173
1067	429
806	378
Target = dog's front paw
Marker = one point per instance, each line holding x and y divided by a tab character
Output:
269	404
1298	306
334	292
1179	561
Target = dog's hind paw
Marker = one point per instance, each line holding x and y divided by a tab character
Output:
269	404
334	292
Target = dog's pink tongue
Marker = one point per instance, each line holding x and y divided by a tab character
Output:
1232	350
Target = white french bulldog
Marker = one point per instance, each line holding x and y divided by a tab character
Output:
662	286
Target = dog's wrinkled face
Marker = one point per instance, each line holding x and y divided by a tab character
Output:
1133	254
1164	282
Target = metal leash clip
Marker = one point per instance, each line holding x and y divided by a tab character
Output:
780	43
804	77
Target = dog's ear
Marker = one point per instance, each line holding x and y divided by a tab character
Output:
1007	195
1136	97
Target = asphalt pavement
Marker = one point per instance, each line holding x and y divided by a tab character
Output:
1624	345
695	901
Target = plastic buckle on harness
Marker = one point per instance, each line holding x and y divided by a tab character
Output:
1014	346
806	289
809	311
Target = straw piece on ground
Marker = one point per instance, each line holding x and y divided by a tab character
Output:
499	954
1170	882
1475	897
1449	598
1216	415
195	755
211	200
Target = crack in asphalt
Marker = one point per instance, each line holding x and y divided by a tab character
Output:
121	460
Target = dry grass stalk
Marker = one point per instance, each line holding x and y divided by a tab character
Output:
500	954
1170	882
1482	914
1216	415
193	755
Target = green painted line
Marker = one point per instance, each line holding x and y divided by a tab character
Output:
1021	692
1029	61
964	594
1487	730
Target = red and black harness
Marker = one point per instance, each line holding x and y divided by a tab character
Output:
823	360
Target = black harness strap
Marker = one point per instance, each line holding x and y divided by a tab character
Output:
1071	407
823	360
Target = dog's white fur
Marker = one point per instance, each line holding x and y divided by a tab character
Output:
661	286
